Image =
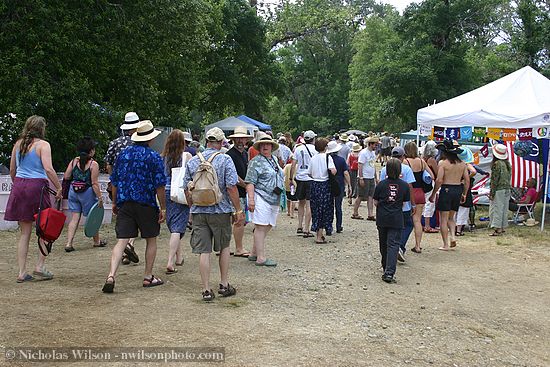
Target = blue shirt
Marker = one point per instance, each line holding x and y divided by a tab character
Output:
265	174
407	175
341	167
137	173
30	166
227	177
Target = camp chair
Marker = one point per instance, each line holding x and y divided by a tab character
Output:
528	209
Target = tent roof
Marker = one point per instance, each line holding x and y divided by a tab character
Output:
259	124
520	99
229	124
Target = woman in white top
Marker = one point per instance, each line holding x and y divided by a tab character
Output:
322	204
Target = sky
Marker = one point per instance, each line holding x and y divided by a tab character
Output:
400	4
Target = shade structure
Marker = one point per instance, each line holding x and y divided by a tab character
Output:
229	124
517	100
259	124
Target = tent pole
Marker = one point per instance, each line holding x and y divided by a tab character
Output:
545	192
418	135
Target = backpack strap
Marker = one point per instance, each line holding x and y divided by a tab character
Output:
201	157
213	156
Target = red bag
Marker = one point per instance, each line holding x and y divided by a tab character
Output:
49	223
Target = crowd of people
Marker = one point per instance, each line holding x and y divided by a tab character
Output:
242	179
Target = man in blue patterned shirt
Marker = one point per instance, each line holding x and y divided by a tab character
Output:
212	224
138	176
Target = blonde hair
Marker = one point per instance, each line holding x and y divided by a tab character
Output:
411	150
35	128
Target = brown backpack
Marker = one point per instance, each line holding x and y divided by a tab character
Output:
204	188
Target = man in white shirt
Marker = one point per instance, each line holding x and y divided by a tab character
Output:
367	177
300	164
344	150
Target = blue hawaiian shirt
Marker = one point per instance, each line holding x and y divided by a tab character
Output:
227	176
265	174
137	173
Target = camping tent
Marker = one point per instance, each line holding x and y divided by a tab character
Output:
229	124
517	100
259	124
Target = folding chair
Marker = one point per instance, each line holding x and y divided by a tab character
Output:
528	209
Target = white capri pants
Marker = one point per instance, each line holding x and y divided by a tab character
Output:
429	208
264	214
462	216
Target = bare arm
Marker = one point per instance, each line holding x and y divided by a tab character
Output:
13	166
94	170
250	196
46	158
438	181
69	171
360	174
466	178
292	171
234	197
161	196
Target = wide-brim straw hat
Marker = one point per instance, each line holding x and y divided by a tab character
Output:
500	151
240	132
356	147
264	138
373	139
343	137
531	222
145	131
131	121
333	147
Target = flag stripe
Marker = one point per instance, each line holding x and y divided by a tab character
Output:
522	169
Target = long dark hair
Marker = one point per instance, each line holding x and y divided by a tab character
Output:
84	147
451	157
174	147
35	128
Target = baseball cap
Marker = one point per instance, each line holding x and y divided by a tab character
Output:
309	135
215	134
397	152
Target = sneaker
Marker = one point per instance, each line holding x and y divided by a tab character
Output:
401	256
388	278
339	230
227	291
208	295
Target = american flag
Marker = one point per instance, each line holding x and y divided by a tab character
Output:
522	169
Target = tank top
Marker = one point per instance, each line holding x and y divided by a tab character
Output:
82	176
417	176
353	162
30	166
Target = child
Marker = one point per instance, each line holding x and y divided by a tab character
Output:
389	196
290	191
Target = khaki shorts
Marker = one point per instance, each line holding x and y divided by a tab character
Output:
208	230
368	190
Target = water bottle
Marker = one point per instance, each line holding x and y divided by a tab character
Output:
292	190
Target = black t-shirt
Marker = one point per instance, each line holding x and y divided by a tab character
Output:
390	195
241	164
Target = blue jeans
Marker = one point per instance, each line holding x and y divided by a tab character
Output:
338	209
389	241
406	232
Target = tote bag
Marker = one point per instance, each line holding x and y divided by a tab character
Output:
177	192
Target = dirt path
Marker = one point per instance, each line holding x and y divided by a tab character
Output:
485	304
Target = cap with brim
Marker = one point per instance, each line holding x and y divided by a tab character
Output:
500	151
309	135
131	121
333	147
398	152
356	147
343	137
187	136
240	132
466	156
373	139
215	134
264	138
145	131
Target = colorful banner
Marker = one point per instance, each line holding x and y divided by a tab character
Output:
480	132
494	133
525	134
509	134
476	158
466	133
540	132
452	133
484	151
425	130
439	133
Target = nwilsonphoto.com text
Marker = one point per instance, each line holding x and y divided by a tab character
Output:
85	354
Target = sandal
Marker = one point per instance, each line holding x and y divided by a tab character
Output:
242	254
179	263
26	278
108	287
152	282
495	234
308	235
357	216
131	253
416	251
125	260
208	295
69	248
101	243
299	231
430	230
171	271
372	218
227	291
43	274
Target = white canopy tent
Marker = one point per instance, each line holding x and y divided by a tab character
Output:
518	100
229	124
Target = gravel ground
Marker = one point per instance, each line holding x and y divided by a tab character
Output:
485	304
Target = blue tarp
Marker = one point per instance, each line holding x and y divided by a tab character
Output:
260	125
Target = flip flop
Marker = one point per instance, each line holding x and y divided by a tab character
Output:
152	282
26	278
416	251
267	262
444	249
308	234
101	243
252	258
320	242
244	254
171	271
371	218
69	248
299	231
357	217
496	234
44	274
231	253
180	264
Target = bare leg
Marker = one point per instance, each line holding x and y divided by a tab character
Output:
73	225
356	206
23	247
150	255
259	241
301	213
173	249
224	265
444	229
116	255
204	269
307	218
319	235
96	238
291	206
417	222
238	234
370	206
451	223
